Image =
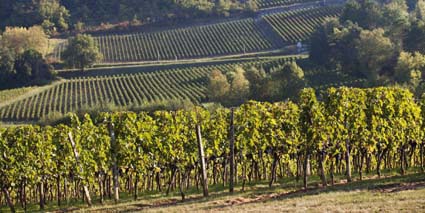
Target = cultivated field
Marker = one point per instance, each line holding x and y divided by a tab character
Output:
298	25
269	32
276	3
138	87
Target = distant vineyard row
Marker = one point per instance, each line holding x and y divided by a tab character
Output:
298	25
123	90
276	3
234	37
144	88
194	42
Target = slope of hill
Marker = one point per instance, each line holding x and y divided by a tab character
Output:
138	86
221	39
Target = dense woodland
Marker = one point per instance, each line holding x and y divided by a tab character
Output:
383	42
63	15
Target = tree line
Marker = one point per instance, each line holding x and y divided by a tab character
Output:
58	16
350	131
22	57
270	83
382	41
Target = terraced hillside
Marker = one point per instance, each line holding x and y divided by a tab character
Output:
276	3
269	32
143	87
194	42
298	25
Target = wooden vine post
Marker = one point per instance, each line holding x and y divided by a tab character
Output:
77	159
202	160
232	151
115	172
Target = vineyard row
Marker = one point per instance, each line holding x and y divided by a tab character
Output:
123	90
298	25
227	38
351	131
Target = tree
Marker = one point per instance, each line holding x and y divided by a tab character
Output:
230	89
409	67
55	14
257	80
251	5
366	13
286	81
374	51
20	39
6	65
31	66
320	40
415	39
81	52
218	87
419	11
239	85
396	20
333	46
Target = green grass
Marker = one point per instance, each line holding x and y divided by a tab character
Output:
389	194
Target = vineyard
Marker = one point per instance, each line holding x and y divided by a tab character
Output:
142	88
227	38
276	3
202	41
352	131
298	25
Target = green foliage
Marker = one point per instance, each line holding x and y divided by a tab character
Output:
311	121
230	89
409	68
415	39
31	66
366	13
21	57
368	37
17	40
218	86
81	52
55	16
6	64
140	89
284	82
419	11
374	51
320	40
257	78
370	123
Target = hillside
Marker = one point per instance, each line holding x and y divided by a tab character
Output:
212	106
137	87
269	31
